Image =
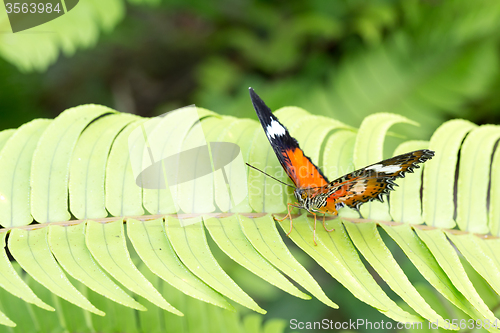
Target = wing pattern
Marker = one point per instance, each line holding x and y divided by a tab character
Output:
313	191
373	181
296	164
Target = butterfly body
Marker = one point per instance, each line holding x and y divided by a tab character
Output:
312	199
313	191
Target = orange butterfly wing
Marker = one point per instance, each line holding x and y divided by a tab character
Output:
371	182
301	169
298	166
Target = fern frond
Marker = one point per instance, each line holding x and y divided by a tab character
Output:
85	156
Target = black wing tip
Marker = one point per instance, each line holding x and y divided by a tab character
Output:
427	154
256	100
260	107
252	92
266	118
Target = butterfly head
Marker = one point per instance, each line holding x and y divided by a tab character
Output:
300	194
309	198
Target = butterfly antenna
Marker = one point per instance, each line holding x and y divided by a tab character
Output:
269	175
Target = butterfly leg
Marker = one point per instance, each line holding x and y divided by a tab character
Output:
359	212
289	215
324	225
314	230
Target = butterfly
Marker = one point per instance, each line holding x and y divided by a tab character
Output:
313	191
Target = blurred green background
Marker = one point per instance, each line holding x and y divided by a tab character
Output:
428	60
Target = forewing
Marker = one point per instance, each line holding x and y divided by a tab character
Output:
373	181
298	166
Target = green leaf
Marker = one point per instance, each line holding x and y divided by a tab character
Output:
41	45
439	173
237	132
265	194
469	247
15	309
337	255
337	158
473	178
5	136
15	158
262	233
368	241
309	130
229	237
4	320
30	249
49	181
494	217
11	282
190	244
491	247
449	261
45	321
165	137
68	246
405	205
197	195
368	149
123	196
150	240
88	165
230	184
428	266
108	246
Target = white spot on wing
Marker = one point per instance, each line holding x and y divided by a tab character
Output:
274	129
358	188
384	169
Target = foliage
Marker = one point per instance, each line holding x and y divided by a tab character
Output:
119	318
81	158
427	61
40	47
